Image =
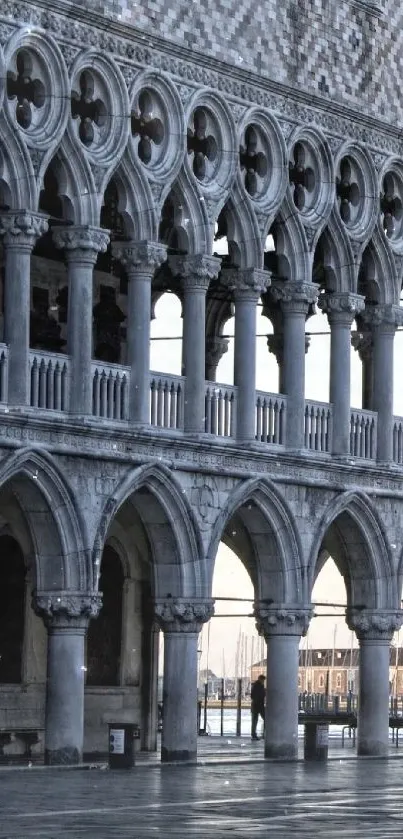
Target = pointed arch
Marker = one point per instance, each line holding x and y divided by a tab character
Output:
159	504
60	557
16	170
257	517
76	183
353	533
136	203
243	234
338	257
378	268
293	258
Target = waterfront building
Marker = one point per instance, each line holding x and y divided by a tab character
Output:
134	138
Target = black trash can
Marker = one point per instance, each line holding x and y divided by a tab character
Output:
121	744
316	740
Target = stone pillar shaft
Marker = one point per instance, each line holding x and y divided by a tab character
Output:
341	309
295	299
81	245
383	320
181	621
20	231
66	615
140	259
282	628
196	273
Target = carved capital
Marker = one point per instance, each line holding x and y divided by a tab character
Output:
67	610
374	624
387	317
140	257
363	344
81	244
293	296
216	347
21	229
275	344
246	283
341	307
176	614
195	272
281	619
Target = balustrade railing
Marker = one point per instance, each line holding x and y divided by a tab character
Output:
363	430
271	412
398	440
318	426
220	410
49	380
3	373
110	391
167	400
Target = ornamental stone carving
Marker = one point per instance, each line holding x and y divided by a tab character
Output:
81	243
362	342
139	256
281	619
216	347
67	609
388	316
177	614
21	229
195	272
374	625
294	296
275	344
246	283
341	307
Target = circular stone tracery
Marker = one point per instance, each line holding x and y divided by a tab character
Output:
147	126
356	190
302	176
391	205
25	88
253	160
88	109
202	144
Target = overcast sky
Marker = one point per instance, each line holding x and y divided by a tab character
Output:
219	644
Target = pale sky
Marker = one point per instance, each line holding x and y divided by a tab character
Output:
219	644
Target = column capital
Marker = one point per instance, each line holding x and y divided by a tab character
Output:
179	614
275	345
386	317
294	296
246	283
195	271
341	307
282	619
140	257
67	610
374	624
216	347
362	342
81	243
21	228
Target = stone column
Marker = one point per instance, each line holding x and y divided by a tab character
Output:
341	309
216	347
275	345
363	343
66	616
295	299
181	621
383	321
140	259
374	630
20	230
81	246
282	627
247	286
195	273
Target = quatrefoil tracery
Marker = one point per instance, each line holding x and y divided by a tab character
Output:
25	88
348	192
391	206
253	160
89	110
302	177
147	126
201	145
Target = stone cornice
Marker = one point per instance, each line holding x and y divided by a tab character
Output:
144	48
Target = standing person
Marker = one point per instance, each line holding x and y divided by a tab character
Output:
257	696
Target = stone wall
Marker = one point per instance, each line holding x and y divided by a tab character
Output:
349	51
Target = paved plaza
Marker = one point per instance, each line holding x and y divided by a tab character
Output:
224	795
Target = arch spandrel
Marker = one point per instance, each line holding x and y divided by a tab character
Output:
52	522
167	530
352	533
260	528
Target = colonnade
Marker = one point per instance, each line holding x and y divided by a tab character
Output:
291	303
67	617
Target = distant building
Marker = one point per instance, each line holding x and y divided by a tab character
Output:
336	671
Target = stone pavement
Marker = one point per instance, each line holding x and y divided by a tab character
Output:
361	798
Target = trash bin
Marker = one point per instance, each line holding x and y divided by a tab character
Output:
121	745
316	740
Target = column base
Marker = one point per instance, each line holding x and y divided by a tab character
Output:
68	756
182	756
281	751
373	748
